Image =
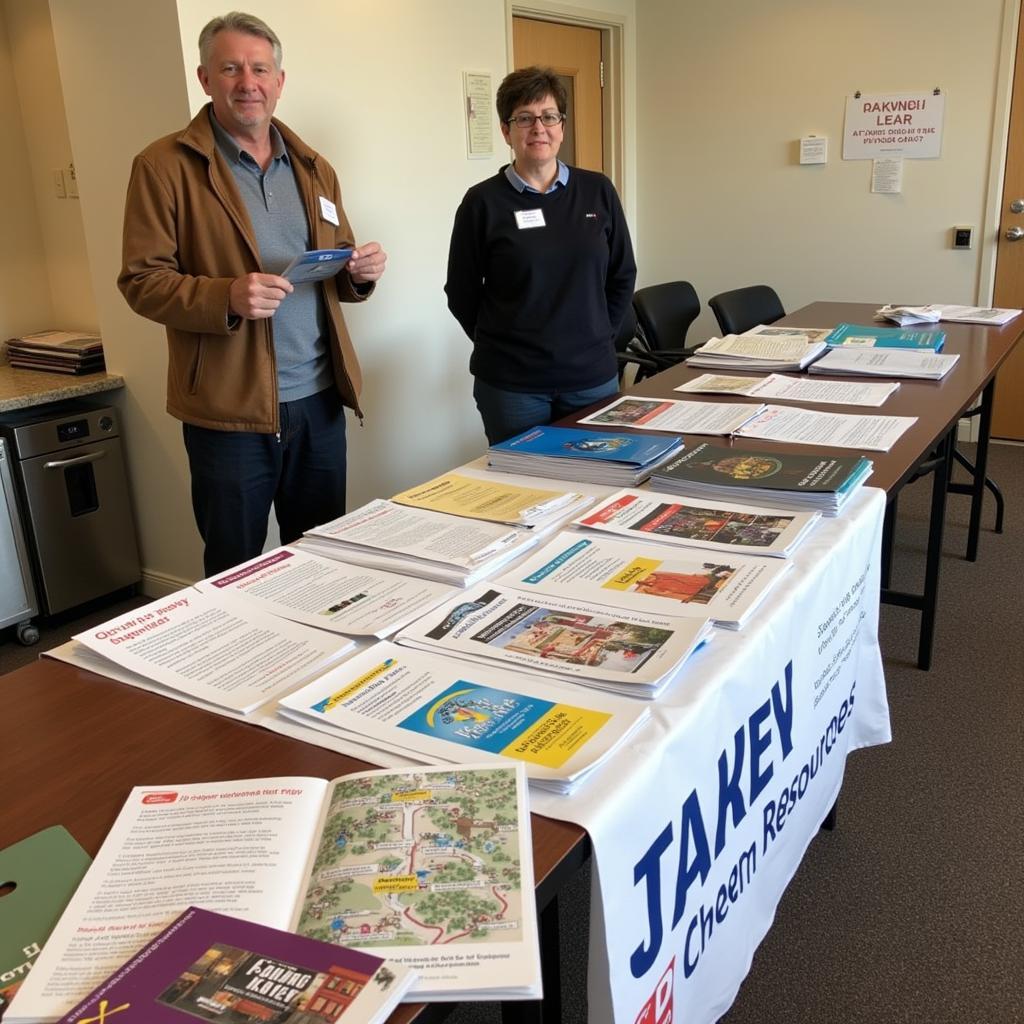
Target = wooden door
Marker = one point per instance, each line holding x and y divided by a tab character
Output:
574	53
1008	410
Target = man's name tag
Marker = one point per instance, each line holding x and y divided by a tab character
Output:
328	210
529	219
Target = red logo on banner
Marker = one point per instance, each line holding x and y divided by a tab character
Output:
658	1009
160	798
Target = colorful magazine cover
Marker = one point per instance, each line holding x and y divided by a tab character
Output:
208	966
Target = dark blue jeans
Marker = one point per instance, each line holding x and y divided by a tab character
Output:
237	476
508	413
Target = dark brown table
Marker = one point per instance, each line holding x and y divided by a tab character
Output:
927	446
75	743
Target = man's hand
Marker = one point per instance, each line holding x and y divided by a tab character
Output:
257	296
367	263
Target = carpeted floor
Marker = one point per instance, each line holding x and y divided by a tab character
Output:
913	909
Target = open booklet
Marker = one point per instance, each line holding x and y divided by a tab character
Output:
792	389
687	522
675	416
436	709
219	651
612	649
328	594
216	967
642	576
431	867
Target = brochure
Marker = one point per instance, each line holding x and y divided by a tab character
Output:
792	389
873	362
750	529
450	549
216	967
829	429
493	500
935	312
228	655
321	592
641	576
812	334
570	453
43	870
768	349
626	652
316	264
429	867
674	416
780	479
438	709
858	336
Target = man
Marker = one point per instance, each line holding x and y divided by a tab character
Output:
259	371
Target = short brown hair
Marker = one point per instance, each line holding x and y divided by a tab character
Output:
528	85
237	21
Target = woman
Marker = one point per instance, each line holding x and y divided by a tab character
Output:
540	270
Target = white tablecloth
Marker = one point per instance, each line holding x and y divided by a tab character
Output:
699	825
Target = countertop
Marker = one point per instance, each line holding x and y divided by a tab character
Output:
22	389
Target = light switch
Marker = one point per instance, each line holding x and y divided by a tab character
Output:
58	184
71	181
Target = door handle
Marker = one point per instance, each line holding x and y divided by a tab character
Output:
1017	206
94	456
1015	234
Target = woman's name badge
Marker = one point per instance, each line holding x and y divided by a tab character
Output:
328	210
529	219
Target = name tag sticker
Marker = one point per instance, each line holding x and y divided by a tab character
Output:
530	219
328	210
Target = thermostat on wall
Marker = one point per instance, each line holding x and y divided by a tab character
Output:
963	237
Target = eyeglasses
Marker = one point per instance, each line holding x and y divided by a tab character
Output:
549	119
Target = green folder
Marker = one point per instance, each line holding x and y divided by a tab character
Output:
38	876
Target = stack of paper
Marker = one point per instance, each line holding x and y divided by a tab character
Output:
432	545
783	479
210	650
856	336
873	362
675	416
789	351
828	429
591	456
440	710
639	576
631	653
750	529
935	312
494	501
297	585
72	352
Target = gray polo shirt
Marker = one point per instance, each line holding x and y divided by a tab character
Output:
299	327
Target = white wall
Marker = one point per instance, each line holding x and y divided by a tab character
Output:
726	90
48	147
25	303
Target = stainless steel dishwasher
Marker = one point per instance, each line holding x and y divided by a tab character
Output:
17	594
77	512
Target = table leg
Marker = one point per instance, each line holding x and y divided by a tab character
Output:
550	1008
936	528
980	469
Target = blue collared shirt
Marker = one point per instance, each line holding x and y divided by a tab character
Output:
521	186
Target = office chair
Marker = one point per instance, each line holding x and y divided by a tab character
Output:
631	351
665	312
739	310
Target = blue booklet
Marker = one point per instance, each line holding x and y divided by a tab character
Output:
858	336
595	445
316	264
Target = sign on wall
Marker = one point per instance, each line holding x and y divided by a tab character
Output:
904	124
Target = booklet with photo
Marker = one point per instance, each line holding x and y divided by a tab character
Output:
430	867
859	336
328	594
650	577
439	709
493	500
40	874
225	654
216	967
316	264
624	652
676	416
657	517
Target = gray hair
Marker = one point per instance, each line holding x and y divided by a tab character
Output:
237	21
